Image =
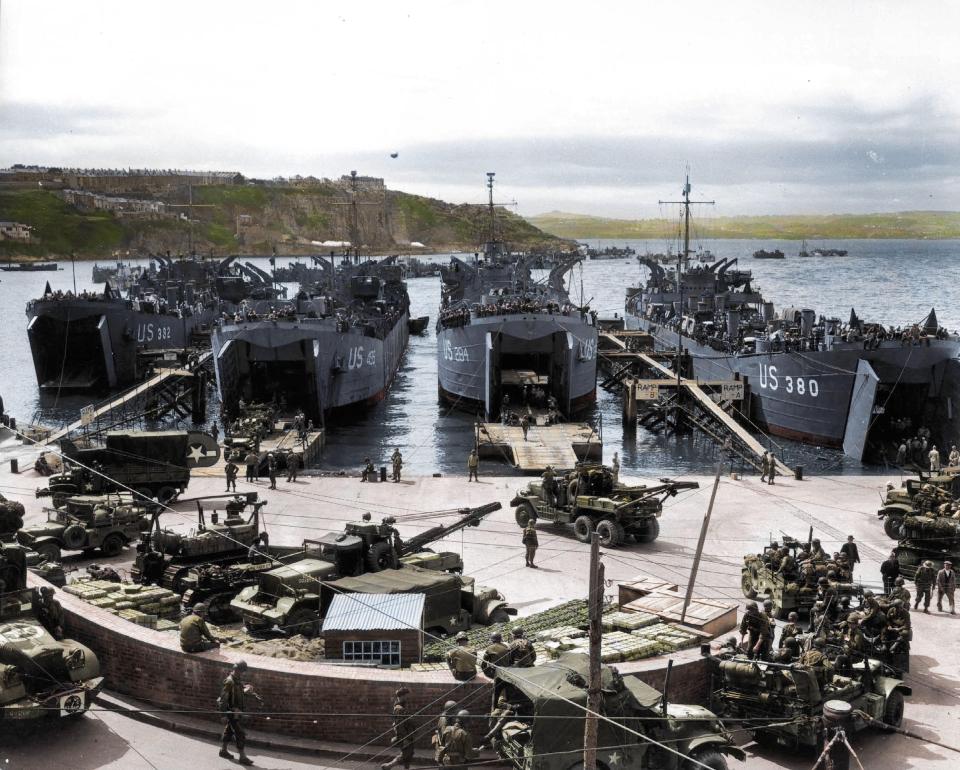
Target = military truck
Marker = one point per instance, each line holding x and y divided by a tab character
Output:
759	579
936	538
295	595
156	465
164	557
88	522
550	702
918	496
590	499
788	700
39	676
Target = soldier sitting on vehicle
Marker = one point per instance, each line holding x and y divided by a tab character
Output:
522	652
900	591
503	713
462	659
494	655
754	628
50	613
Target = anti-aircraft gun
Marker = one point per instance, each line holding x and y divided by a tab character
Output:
590	499
164	557
39	675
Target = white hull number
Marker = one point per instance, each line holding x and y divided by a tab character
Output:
802	386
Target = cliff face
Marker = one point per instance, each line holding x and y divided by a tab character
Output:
252	218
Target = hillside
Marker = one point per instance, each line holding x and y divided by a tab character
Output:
906	224
251	218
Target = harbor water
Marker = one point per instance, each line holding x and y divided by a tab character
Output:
888	281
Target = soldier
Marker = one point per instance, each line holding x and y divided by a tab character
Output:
954	458
548	485
272	470
252	461
495	654
792	628
924	580
194	634
231	703
50	613
816	551
397	459
524	426
754	627
369	472
521	650
900	593
934	457
889	571
946	586
215	430
849	549
870	611
499	716
443	721
898	616
231	470
615	466
462	660
457	747
771	619
473	466
902	454
293	466
403	732
764	466
815	660
788	566
530	542
772	468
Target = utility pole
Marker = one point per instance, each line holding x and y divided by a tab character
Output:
595	605
682	257
703	536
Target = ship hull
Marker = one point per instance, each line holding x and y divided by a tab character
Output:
472	359
319	369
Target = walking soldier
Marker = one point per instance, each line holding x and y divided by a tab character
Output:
473	466
231	704
531	542
403	732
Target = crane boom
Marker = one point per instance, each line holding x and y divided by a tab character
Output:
469	517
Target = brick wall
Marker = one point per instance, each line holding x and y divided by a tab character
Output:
322	701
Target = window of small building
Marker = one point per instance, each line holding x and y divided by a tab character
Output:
384	653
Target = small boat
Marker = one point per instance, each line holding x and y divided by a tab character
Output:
763	254
803	250
29	267
418	325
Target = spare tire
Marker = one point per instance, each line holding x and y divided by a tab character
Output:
379	557
75	537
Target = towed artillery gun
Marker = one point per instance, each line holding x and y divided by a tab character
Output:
789	700
39	675
761	579
590	499
557	692
918	496
88	522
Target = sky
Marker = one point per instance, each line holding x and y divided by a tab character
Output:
596	108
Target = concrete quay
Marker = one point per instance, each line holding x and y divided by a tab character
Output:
746	514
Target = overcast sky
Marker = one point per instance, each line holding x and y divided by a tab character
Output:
804	107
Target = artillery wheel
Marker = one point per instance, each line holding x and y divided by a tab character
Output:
891	525
583	528
49	551
379	557
524	513
112	545
893	711
302	621
167	495
706	756
610	533
74	537
499	616
648	532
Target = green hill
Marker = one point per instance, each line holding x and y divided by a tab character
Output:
905	224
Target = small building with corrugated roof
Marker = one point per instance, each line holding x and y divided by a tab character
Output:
374	629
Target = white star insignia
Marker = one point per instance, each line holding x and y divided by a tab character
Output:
615	759
196	453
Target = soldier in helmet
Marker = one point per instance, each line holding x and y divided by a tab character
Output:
770	616
462	659
397	460
816	660
500	715
816	551
924	580
443	721
521	649
495	654
50	613
457	749
901	592
231	704
403	732
194	634
791	629
530	542
754	629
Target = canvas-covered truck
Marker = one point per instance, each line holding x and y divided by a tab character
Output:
87	522
154	464
546	732
590	499
924	496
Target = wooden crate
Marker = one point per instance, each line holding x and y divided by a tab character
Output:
640	586
705	615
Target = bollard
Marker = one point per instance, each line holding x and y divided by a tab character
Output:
13	423
798	473
383	473
14	465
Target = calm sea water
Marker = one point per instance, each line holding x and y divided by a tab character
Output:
894	282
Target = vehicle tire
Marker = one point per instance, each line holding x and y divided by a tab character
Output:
583	528
144	495
610	533
379	557
649	532
499	616
524	513
707	756
167	495
891	525
893	711
302	621
112	545
49	551
74	537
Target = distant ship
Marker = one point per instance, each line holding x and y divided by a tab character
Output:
30	267
845	385
764	254
336	344
499	329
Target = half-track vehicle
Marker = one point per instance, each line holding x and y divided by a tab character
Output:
546	732
917	497
787	700
760	579
164	557
590	499
39	676
88	522
156	465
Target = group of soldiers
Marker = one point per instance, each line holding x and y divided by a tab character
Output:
812	567
252	462
369	472
463	659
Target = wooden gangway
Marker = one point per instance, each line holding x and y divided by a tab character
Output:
560	446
